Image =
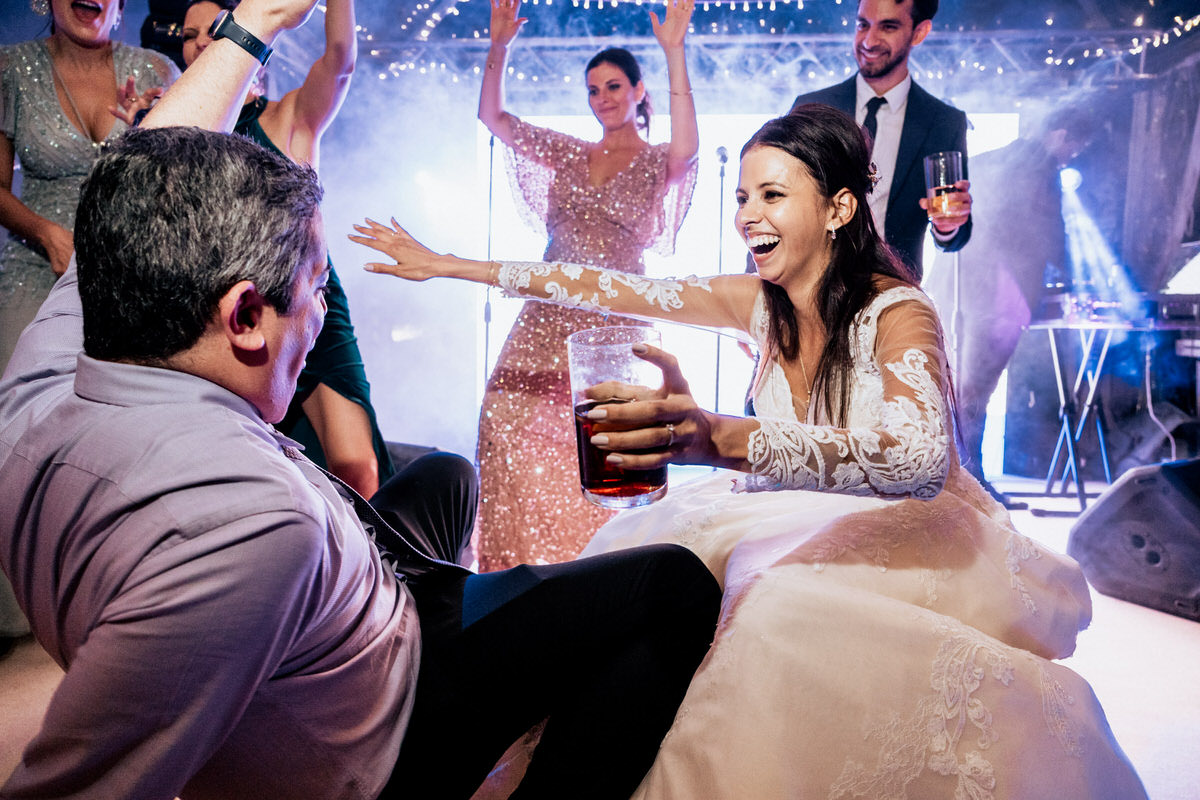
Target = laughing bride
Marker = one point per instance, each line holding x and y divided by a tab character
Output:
886	632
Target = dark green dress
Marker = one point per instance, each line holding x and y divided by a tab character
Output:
335	359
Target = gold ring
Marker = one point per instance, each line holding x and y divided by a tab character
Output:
671	434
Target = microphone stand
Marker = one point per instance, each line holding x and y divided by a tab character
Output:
487	297
958	317
722	156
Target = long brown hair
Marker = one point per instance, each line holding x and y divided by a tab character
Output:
834	150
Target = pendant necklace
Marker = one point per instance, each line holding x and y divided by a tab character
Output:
807	385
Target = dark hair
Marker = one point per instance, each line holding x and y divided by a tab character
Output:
923	10
624	60
169	219
835	152
224	5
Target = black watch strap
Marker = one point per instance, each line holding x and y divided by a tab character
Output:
224	27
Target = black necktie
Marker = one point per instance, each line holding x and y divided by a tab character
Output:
872	109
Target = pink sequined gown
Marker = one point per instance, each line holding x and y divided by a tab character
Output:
531	508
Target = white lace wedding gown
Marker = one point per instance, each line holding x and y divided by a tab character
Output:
885	633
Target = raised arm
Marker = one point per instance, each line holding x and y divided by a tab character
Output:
723	301
505	25
906	454
311	107
209	93
685	134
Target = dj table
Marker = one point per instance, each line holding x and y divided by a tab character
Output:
1095	322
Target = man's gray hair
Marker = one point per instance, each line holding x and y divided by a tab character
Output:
169	220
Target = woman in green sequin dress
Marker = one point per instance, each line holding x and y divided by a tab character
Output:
331	413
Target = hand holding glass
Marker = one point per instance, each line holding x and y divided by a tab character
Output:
942	172
597	356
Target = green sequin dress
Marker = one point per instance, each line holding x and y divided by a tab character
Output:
335	359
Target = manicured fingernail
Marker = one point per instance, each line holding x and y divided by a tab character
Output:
599	440
640	348
598	413
614	459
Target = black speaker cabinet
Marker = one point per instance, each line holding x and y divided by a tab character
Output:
1140	540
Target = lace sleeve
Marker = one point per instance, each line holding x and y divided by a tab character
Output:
722	301
906	450
536	155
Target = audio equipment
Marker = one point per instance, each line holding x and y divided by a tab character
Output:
1140	540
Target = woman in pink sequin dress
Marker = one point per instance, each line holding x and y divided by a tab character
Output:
602	202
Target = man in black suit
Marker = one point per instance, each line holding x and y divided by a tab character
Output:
908	125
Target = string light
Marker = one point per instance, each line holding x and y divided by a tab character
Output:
727	24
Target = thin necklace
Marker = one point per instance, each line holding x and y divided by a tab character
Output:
804	372
83	126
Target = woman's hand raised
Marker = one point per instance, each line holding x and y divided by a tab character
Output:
130	103
674	27
505	24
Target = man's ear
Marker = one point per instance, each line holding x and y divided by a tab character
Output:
920	31
240	316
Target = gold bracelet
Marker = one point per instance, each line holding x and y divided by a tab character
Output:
681	94
493	278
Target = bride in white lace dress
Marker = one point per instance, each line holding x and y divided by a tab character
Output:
886	633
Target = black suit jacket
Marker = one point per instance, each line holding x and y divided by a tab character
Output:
930	126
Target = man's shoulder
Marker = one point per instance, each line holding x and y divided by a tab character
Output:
929	104
198	442
839	95
200	455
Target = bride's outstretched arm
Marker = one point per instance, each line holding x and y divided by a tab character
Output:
723	301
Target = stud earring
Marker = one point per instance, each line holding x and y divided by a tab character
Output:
832	234
40	7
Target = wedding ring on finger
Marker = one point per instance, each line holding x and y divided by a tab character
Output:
670	434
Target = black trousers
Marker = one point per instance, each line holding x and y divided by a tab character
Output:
603	648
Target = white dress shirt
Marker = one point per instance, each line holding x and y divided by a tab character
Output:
889	121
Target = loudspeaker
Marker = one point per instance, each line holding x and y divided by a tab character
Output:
1140	540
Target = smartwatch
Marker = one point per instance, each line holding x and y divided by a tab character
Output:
224	27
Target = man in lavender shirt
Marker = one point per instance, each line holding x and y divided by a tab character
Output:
232	622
